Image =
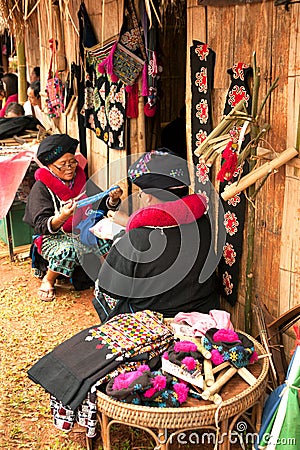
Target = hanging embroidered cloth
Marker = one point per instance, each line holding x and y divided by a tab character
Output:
234	208
202	74
104	107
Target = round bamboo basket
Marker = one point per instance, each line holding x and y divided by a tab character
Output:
195	416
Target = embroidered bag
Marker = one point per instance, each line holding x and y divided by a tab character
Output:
54	87
127	65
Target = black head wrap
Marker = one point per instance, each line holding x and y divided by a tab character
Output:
55	146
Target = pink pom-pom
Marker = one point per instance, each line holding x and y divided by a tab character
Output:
114	78
165	355
182	391
189	362
150	392
216	357
149	111
226	336
253	358
185	346
159	382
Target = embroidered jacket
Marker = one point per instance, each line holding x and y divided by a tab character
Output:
164	262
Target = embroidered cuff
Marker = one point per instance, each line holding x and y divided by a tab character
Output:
113	207
49	226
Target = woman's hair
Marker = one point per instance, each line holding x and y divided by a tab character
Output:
36	87
15	108
36	70
11	83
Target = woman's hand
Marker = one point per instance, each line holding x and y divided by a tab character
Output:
114	196
66	211
118	217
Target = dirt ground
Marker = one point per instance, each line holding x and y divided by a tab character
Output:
31	328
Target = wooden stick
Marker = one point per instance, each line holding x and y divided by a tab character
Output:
208	374
219	128
247	376
258	173
219	383
220	367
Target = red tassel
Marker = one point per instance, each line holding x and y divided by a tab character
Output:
149	110
114	78
145	80
132	101
110	60
229	166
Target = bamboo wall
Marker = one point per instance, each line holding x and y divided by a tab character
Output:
234	33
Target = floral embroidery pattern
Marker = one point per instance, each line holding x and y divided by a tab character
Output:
202	51
234	200
201	80
202	172
131	39
229	254
231	223
202	113
115	118
228	286
200	137
238	70
204	194
237	94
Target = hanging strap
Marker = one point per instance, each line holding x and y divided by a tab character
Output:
137	28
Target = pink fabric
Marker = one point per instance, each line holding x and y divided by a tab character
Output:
12	172
200	322
10	99
181	211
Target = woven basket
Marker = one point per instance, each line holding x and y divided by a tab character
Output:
177	418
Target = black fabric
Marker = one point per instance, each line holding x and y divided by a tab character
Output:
202	78
69	371
140	283
16	126
53	147
234	208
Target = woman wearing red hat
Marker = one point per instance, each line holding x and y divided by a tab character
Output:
51	210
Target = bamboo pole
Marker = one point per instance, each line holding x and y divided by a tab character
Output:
251	210
260	172
22	82
209	391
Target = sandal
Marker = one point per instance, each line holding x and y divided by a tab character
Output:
46	295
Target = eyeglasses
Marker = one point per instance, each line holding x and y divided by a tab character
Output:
66	165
